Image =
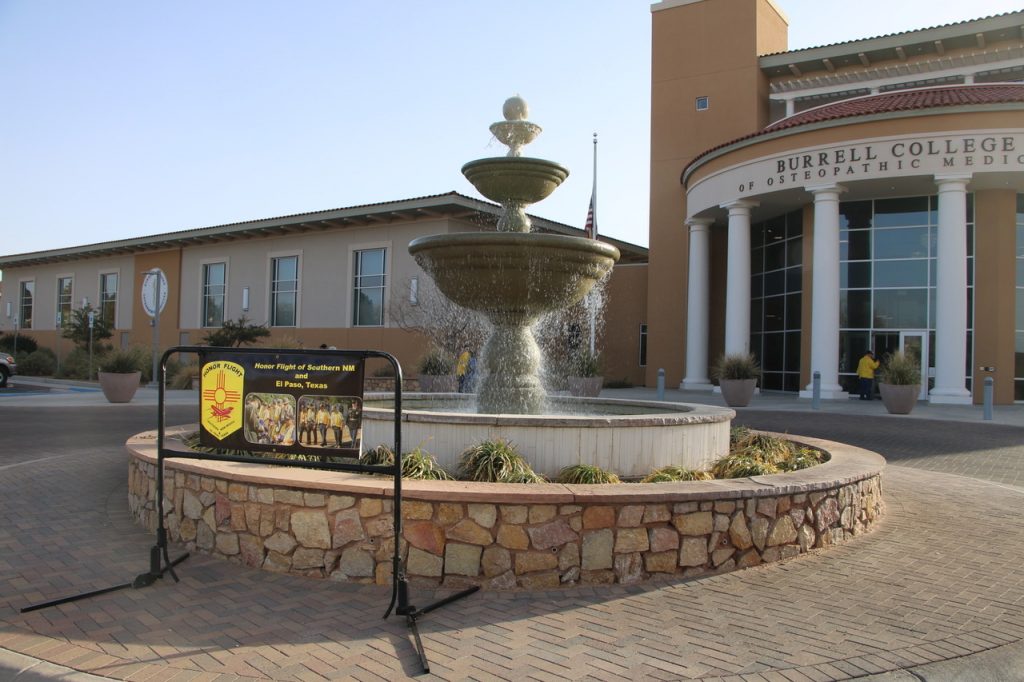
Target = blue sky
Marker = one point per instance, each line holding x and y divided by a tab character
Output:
123	118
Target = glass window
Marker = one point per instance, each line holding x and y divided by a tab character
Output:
214	291
855	309
855	275
64	294
902	212
855	215
901	308
284	292
25	300
108	298
370	285
775	314
643	345
901	273
911	242
858	245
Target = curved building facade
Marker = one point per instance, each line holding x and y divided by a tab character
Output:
824	202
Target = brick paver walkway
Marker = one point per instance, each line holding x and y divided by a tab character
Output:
938	579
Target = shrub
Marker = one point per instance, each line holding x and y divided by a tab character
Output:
26	344
76	365
740	464
802	458
586	364
42	362
618	383
496	461
182	376
760	446
676	473
124	361
420	464
77	328
736	366
901	369
435	363
586	473
382	455
236	333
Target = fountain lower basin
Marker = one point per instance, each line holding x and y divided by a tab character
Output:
629	437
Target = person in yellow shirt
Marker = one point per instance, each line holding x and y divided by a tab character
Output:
323	419
337	421
866	373
462	369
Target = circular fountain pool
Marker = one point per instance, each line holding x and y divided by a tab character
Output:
629	437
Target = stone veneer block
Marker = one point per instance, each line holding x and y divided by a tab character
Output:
564	534
462	559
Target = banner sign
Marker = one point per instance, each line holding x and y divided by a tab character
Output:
289	403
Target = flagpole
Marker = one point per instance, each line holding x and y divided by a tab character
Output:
593	234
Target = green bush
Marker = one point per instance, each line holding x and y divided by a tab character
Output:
618	383
673	473
382	455
182	376
77	328
901	369
124	361
236	333
802	458
76	365
586	364
736	366
586	473
435	363
420	464
42	362
26	344
496	461
740	464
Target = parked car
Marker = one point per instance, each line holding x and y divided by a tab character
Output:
7	368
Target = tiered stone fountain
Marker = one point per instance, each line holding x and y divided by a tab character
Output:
513	276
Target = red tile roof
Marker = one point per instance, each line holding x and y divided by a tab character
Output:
985	94
906	100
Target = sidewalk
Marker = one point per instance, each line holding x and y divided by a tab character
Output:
936	589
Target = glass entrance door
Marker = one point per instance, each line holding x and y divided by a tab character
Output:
914	344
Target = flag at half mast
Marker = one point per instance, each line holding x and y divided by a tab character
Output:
591	227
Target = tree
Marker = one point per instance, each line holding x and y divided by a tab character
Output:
77	328
449	327
236	334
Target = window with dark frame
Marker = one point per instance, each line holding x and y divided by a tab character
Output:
369	286
284	292
214	288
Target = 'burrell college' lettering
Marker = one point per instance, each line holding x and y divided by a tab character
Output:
903	155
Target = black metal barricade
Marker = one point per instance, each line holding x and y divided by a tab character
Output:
159	558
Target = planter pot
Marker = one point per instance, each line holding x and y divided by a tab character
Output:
444	383
899	399
585	387
119	388
737	392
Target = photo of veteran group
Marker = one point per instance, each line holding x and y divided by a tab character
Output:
329	421
270	419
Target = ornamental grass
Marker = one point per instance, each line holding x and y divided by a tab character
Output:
586	473
496	461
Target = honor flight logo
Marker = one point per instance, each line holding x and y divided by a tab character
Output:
221	398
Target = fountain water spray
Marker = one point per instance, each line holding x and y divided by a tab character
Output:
513	276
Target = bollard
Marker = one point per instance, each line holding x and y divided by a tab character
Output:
989	391
816	391
661	383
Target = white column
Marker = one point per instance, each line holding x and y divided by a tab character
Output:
951	292
698	306
825	294
737	281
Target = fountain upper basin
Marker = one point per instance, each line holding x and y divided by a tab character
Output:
519	180
629	437
524	274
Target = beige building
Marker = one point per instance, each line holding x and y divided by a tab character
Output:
334	277
809	205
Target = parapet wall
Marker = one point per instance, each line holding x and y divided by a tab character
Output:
340	526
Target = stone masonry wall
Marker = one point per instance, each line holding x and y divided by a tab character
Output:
350	537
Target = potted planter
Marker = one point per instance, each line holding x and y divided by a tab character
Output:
900	383
436	373
585	380
737	376
119	375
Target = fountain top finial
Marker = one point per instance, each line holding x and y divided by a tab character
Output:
515	131
515	109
